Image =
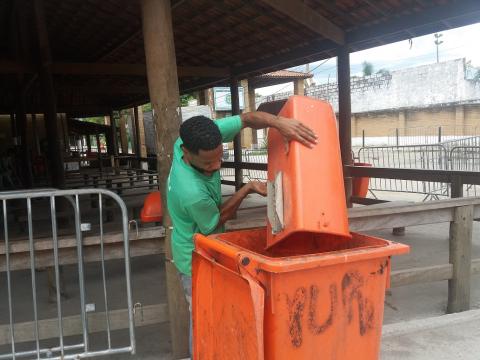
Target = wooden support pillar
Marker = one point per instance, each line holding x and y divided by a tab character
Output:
252	106
89	143
112	136
19	37
165	99
114	141
123	134
141	133
344	115
65	138
109	137
55	149
247	133
202	97
36	139
237	141
97	140
99	151
299	87
461	259
209	100
13	128
456	187
26	167
136	131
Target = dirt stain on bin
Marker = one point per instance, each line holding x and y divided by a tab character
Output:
312	310
382	269
352	284
295	311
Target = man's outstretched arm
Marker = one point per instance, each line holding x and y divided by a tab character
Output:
291	129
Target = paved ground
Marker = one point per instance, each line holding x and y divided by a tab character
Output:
446	337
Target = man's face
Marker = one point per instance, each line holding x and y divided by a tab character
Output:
206	161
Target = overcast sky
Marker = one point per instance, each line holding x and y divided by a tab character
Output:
458	43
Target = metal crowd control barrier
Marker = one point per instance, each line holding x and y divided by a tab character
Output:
431	157
423	135
259	156
461	154
466	158
66	348
248	156
227	173
466	141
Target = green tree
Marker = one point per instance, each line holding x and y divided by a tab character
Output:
383	72
367	68
97	120
184	99
147	107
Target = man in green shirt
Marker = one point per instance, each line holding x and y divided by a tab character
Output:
194	196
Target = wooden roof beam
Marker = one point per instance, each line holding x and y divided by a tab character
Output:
309	18
98	69
104	89
132	70
10	67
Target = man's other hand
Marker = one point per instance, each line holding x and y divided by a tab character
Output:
258	187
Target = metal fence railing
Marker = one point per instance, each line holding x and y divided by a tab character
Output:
26	331
466	141
248	156
433	157
256	156
462	154
466	158
424	135
228	173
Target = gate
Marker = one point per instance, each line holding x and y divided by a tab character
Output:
24	328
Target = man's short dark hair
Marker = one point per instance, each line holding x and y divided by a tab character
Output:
200	133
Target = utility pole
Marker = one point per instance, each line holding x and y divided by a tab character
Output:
438	42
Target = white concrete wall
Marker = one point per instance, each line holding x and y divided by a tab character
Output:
417	87
422	86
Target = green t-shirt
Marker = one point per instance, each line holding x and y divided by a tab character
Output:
194	199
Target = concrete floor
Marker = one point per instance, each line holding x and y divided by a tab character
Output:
409	331
447	337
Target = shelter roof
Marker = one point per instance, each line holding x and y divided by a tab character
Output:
98	58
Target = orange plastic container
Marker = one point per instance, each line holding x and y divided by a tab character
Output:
311	179
152	208
317	298
360	184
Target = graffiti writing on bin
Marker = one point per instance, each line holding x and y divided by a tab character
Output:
307	299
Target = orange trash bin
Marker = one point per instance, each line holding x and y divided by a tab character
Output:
313	298
360	184
307	183
152	210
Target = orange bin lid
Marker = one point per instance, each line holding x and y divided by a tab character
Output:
306	187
